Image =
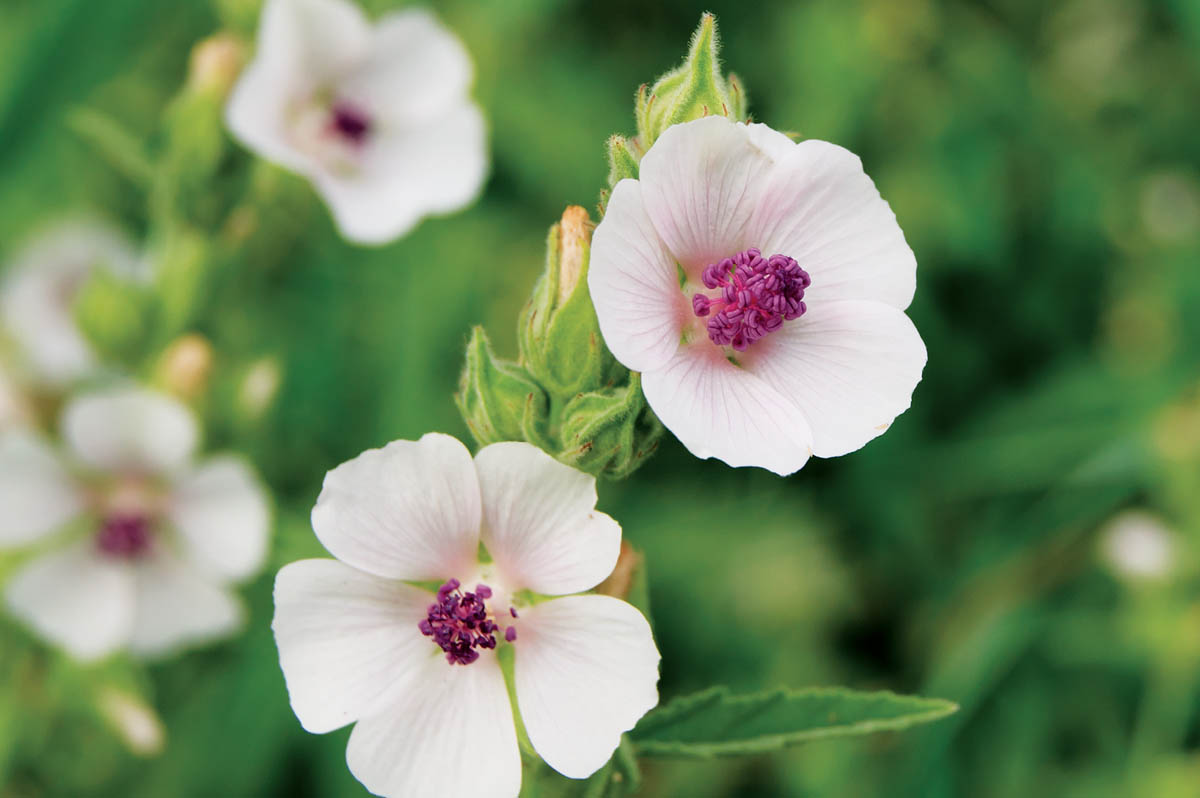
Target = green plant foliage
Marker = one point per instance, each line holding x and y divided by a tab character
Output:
717	723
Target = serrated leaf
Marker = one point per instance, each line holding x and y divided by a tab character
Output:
717	723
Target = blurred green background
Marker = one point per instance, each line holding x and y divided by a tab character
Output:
1044	163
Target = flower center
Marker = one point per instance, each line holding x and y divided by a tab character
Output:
460	624
756	296
349	123
124	536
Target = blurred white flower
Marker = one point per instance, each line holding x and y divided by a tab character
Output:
378	117
1138	545
149	542
760	286
420	673
38	295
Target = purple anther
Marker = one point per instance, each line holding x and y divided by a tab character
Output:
757	295
510	634
349	123
459	622
125	536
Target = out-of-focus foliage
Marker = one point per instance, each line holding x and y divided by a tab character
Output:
1043	161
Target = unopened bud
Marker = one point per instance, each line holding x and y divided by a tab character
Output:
619	583
186	365
694	89
216	63
498	399
609	432
561	345
259	387
133	719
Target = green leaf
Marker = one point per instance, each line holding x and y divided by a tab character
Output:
716	723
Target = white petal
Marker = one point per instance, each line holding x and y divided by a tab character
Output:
540	521
223	518
346	640
407	511
850	366
635	284
451	733
406	173
40	289
130	429
701	182
177	606
586	671
719	410
304	47
772	142
417	70
820	208
77	599
38	495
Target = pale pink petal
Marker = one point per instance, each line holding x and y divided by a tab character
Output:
76	598
702	181
540	521
130	429
451	733
38	495
177	607
772	142
417	70
717	409
634	284
850	366
406	173
222	515
346	639
407	511
819	207
586	670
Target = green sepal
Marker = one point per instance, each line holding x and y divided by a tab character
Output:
498	399
113	314
559	336
610	432
622	159
692	90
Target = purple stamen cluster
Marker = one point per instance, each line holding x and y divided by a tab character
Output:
757	296
125	536
350	123
459	623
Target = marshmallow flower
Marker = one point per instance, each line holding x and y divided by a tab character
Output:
378	117
759	285
39	291
148	543
365	638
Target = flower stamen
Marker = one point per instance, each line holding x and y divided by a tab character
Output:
124	536
460	624
757	295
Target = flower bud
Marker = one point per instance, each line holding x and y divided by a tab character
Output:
561	345
609	432
259	387
215	64
694	89
186	365
498	399
133	719
623	159
112	312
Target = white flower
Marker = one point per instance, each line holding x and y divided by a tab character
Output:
358	641
150	542
39	291
760	286
377	117
1139	545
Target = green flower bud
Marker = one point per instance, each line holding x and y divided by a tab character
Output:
692	90
498	399
609	432
623	158
184	263
561	345
112	312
